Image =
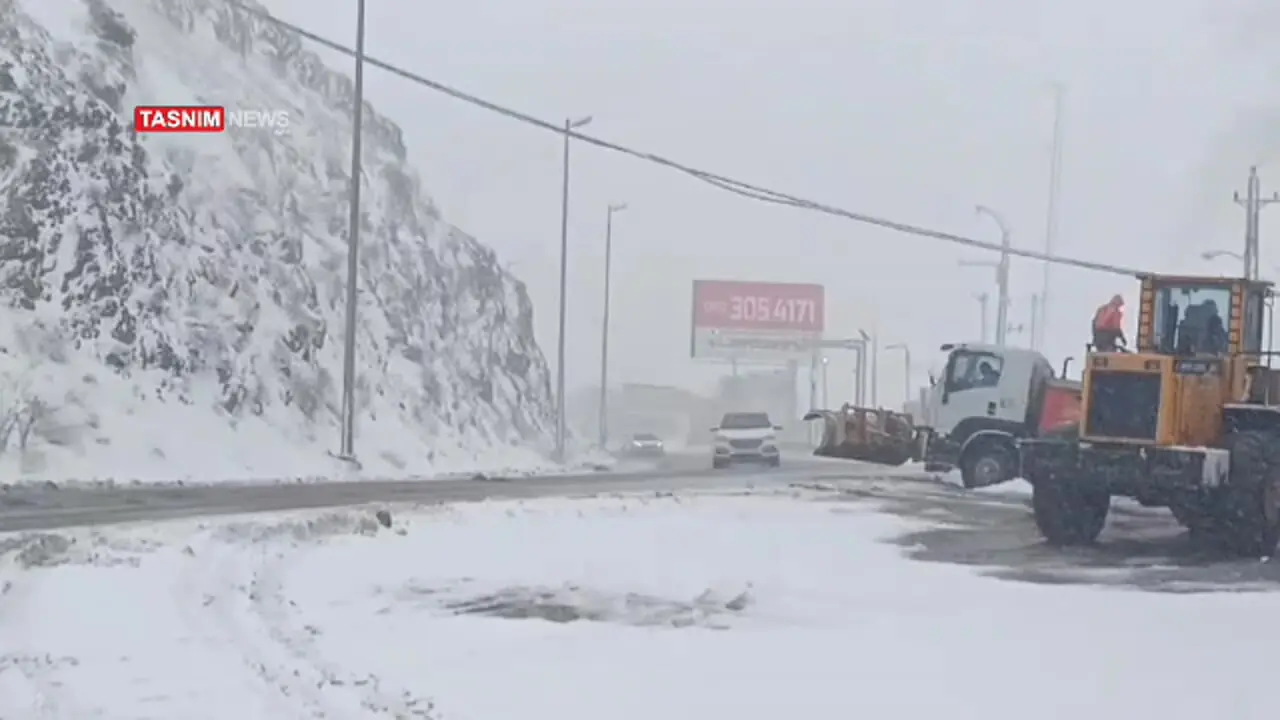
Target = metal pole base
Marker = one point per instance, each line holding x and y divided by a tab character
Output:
348	459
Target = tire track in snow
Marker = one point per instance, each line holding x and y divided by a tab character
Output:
275	611
235	586
24	674
218	594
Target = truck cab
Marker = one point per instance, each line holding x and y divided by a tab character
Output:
988	397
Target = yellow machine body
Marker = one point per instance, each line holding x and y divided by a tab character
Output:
1172	391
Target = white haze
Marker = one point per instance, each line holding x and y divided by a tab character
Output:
910	110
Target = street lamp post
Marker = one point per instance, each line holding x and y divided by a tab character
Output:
348	449
1215	254
983	299
906	373
1002	272
569	125
825	398
866	368
604	331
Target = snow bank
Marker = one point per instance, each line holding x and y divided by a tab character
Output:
629	608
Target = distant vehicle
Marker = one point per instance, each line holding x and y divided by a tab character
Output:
745	437
644	445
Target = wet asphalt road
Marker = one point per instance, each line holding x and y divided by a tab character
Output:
993	531
45	508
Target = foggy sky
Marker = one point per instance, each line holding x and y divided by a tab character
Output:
908	109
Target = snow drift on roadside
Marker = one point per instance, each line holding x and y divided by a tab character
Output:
627	608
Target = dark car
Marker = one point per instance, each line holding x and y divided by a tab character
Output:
644	445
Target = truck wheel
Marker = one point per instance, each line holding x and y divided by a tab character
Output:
1247	513
990	463
1067	514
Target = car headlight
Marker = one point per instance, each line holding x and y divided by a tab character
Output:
722	439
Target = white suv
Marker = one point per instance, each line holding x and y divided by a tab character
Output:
745	437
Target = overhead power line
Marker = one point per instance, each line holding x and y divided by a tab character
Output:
755	192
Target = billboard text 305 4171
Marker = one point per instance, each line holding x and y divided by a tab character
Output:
756	321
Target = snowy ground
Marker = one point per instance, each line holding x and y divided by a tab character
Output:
699	606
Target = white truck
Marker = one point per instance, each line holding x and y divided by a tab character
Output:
988	397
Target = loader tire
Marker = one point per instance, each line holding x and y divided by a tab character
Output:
1068	514
1246	513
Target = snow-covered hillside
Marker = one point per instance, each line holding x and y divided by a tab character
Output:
173	304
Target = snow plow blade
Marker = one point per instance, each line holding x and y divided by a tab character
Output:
870	435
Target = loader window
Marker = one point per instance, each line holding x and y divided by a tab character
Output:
971	369
1192	319
1253	313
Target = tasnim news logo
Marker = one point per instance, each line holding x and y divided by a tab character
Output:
206	119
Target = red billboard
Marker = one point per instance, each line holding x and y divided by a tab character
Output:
735	305
732	317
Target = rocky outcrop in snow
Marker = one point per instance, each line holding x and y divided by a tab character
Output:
173	303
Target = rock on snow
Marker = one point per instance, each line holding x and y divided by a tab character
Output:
173	304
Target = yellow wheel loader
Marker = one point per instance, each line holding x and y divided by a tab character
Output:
1188	420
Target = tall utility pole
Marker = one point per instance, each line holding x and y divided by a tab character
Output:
1002	273
1051	211
348	447
1035	316
604	331
906	370
860	374
569	125
1253	203
982	299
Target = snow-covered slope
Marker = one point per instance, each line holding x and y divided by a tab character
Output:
173	304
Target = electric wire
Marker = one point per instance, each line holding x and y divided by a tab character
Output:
738	187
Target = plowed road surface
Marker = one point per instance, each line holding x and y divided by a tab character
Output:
39	508
1140	548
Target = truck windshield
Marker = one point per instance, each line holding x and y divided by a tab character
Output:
1192	319
745	421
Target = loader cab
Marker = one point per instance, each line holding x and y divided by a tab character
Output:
1199	348
1202	317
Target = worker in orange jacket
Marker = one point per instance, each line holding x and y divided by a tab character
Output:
1108	326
